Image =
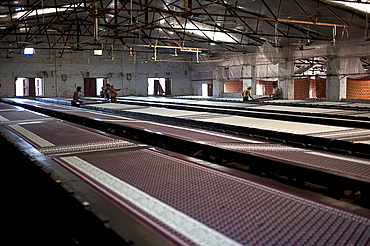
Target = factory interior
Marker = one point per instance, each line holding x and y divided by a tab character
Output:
185	122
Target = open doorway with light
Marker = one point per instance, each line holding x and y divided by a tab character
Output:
207	90
159	86
100	85
29	87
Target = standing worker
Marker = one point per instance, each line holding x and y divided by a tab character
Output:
106	92
247	93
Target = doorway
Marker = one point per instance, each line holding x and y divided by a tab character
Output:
29	87
207	90
100	85
89	87
93	86
159	86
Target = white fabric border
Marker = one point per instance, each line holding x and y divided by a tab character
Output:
13	122
33	137
3	118
189	227
208	133
87	147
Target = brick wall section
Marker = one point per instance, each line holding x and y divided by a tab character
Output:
358	88
301	88
234	86
320	87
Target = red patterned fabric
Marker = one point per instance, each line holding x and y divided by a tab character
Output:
246	212
358	88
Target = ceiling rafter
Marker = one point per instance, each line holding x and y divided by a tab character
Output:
255	16
304	11
269	9
13	27
282	21
215	26
173	23
334	13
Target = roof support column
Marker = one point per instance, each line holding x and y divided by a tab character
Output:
335	82
249	78
286	79
218	88
286	74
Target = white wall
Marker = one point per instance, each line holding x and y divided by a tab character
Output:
80	64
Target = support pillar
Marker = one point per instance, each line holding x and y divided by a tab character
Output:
249	78
218	88
336	84
286	79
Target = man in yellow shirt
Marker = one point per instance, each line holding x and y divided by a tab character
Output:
247	93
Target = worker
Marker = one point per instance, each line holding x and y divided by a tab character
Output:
102	93
106	92
113	94
275	91
247	93
75	96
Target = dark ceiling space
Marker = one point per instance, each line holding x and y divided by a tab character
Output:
210	26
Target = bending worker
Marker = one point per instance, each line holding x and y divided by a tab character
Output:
75	99
247	93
